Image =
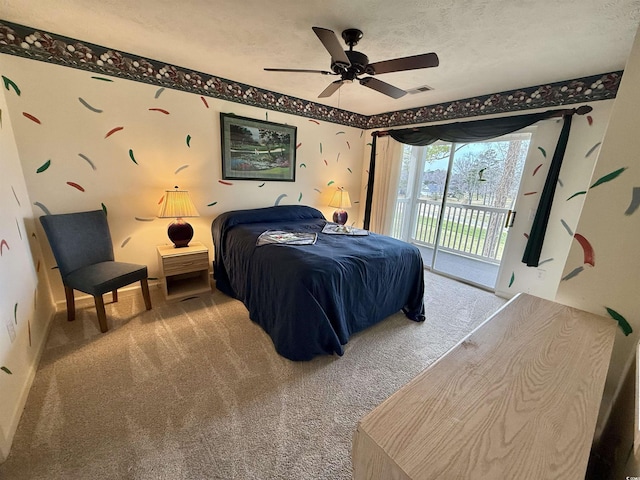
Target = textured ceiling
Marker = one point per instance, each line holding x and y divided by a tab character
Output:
484	46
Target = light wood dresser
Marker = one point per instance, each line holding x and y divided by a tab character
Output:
517	399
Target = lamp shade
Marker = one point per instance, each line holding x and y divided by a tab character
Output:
340	199
177	204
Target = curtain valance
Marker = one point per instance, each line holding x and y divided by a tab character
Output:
474	131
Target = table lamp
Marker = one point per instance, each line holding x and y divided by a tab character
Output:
340	201
177	204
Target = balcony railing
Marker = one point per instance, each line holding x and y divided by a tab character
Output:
472	230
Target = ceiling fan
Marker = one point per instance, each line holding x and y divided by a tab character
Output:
349	64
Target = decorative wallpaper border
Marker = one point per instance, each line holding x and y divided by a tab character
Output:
581	90
48	47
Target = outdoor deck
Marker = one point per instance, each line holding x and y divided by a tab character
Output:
472	270
471	240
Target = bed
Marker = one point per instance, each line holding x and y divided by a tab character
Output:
311	298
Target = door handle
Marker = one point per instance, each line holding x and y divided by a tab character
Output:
511	217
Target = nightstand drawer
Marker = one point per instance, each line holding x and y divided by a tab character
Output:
173	265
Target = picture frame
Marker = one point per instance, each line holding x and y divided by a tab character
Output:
257	150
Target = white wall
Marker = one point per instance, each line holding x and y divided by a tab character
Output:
26	307
612	227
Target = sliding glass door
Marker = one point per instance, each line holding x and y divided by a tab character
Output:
455	202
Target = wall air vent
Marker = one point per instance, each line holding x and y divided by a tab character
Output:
422	89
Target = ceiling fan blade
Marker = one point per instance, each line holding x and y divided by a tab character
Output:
382	87
331	89
414	62
323	72
332	44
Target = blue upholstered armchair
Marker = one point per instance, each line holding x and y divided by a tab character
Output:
81	244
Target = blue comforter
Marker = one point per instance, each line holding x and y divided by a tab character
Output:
311	298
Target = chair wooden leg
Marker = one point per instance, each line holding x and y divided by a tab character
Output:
144	283
114	296
102	315
71	303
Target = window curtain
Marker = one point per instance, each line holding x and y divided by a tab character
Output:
479	130
539	228
386	178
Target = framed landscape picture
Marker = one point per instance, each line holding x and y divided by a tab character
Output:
257	150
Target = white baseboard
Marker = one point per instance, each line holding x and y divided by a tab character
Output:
6	439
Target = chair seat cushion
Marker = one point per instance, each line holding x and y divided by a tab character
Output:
104	277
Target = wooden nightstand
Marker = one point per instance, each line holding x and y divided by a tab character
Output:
184	271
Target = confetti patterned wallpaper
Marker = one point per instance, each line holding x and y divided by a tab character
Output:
602	272
25	299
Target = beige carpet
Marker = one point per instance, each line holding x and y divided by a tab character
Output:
195	390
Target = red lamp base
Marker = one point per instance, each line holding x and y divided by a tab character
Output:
180	233
340	217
